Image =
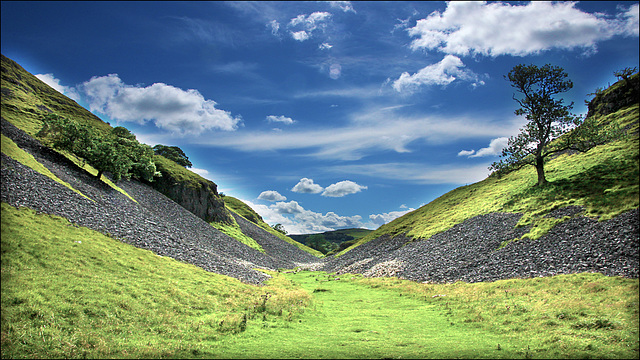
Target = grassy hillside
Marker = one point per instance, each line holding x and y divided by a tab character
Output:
71	292
604	181
26	99
247	212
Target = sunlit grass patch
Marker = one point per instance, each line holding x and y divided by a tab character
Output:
69	291
581	315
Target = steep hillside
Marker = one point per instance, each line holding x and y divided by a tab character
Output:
601	184
240	209
176	224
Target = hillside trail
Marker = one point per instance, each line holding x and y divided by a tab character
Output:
352	320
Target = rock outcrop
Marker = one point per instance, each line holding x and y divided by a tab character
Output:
199	197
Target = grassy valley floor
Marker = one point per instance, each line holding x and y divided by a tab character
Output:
357	317
70	292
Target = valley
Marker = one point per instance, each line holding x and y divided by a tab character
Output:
497	269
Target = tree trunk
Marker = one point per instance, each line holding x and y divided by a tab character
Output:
540	169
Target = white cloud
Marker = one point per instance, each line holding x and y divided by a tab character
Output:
381	219
470	28
201	172
274	26
345	6
335	70
369	132
281	119
307	186
271	195
343	188
495	148
307	24
291	207
300	35
170	108
417	173
311	22
297	220
325	46
52	81
449	69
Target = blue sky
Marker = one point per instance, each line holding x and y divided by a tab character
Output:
320	115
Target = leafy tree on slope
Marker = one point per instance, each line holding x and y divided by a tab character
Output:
548	119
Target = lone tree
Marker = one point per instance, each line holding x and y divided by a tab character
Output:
548	119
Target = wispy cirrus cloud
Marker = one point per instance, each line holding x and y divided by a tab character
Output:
367	133
416	173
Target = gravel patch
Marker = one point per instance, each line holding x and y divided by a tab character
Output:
154	223
467	252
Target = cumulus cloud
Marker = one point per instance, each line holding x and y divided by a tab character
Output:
343	188
271	195
302	26
495	148
449	69
300	35
168	107
52	81
345	6
478	28
307	186
298	220
281	119
381	219
325	46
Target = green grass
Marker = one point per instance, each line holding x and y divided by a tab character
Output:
603	180
12	150
564	316
26	102
235	232
71	292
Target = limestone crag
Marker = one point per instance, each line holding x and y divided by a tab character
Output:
202	198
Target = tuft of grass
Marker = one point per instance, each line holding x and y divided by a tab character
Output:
235	232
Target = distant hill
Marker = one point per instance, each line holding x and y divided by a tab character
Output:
330	242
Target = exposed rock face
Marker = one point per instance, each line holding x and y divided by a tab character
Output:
620	95
201	198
